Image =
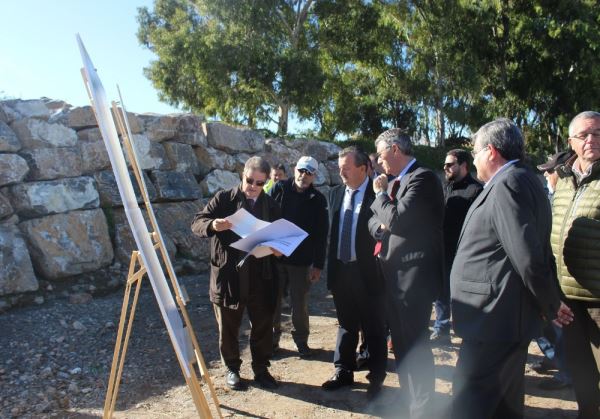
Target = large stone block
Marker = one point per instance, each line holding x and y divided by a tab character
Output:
159	127
174	220
175	186
90	134
276	151
123	237
94	156
150	155
13	169
6	210
182	157
322	177
3	114
73	243
8	139
35	133
16	270
36	199
79	118
34	108
232	139
189	130
320	150
334	172
53	163
217	180
240	161
109	191
210	158
135	124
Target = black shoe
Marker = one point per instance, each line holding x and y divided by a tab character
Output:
266	380
305	351
543	366
554	384
373	390
340	379
233	380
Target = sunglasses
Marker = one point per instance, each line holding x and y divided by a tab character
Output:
305	172
447	165
251	181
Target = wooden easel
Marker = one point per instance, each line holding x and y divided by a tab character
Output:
135	275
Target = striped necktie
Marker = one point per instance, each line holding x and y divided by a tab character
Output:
346	236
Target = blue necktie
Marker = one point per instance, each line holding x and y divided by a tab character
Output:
346	237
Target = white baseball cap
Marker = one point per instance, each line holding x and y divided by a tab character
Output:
308	163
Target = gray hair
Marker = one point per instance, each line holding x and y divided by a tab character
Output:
257	163
398	137
583	115
504	135
360	157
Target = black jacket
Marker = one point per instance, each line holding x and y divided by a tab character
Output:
364	242
458	196
308	210
224	276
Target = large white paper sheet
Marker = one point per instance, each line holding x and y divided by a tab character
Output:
282	235
245	223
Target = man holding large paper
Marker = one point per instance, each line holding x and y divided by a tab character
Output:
251	285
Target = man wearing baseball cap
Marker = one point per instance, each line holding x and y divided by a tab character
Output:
302	204
549	169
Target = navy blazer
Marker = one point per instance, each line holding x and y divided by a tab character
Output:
364	243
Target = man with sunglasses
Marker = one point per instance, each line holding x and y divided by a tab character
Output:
576	246
460	191
302	204
252	285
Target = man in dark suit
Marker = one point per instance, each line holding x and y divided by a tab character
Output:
357	289
503	280
407	221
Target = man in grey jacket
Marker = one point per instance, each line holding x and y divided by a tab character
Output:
503	280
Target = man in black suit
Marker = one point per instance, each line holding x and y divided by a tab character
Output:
357	289
503	280
407	221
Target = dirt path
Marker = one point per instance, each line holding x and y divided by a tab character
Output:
55	361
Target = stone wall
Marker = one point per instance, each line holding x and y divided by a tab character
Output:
63	229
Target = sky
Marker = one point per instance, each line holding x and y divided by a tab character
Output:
39	54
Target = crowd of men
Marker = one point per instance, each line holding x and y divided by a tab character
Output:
498	260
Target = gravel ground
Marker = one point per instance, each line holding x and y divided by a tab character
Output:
55	361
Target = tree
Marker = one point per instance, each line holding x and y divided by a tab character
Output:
243	61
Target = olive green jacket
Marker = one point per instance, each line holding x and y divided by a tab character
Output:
576	233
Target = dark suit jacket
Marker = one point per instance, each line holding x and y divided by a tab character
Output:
412	253
364	242
504	275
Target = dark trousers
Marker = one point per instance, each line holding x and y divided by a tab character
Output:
297	277
489	380
261	333
582	350
357	309
409	321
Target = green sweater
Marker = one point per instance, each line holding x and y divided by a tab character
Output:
576	233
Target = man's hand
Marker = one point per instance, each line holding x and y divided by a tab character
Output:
380	183
314	275
220	224
564	315
276	252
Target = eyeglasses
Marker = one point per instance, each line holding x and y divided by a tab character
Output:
305	172
448	165
475	153
251	181
379	153
584	135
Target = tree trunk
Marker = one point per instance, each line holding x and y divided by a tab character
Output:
283	113
440	124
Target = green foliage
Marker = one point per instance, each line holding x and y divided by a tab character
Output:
437	68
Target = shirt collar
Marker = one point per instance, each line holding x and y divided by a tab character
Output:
408	166
504	167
